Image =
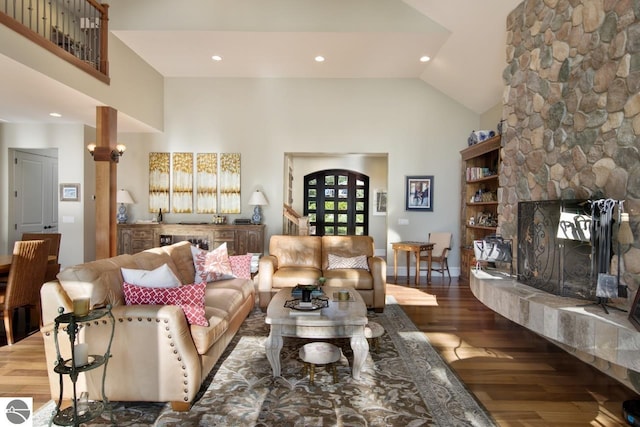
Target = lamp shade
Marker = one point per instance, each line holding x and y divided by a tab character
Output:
258	199
123	196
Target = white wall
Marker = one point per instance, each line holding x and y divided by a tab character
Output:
421	130
69	140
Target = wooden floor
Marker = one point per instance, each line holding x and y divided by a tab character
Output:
520	378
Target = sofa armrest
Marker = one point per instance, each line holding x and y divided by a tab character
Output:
153	355
378	269
52	297
267	266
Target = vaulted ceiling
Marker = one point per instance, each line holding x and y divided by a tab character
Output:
465	40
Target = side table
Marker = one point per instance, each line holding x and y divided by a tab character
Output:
74	415
416	248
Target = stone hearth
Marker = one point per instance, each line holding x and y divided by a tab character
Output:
609	342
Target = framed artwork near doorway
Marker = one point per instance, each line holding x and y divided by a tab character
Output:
69	192
419	193
379	202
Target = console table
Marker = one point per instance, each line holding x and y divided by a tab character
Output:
240	239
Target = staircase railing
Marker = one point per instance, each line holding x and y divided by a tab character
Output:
294	223
74	30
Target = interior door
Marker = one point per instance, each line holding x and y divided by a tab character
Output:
35	179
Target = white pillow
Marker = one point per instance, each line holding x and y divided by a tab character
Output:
359	262
161	277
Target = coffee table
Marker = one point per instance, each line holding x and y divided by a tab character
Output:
341	319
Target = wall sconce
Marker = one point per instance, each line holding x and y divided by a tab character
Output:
257	199
104	154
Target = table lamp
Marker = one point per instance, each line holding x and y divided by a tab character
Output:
123	197
257	199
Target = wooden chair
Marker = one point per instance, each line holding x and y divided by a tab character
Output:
439	254
53	267
28	268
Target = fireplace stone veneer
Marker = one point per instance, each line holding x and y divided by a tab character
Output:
608	342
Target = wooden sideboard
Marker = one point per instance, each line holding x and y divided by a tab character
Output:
240	239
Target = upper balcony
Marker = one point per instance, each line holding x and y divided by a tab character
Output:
74	30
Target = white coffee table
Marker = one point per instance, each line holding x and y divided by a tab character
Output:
341	319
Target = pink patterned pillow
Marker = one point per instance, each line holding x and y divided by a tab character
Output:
211	266
241	266
189	297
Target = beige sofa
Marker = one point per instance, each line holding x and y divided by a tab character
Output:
296	260
156	355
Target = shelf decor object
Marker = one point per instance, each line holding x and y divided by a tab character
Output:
182	195
159	168
419	193
207	183
230	183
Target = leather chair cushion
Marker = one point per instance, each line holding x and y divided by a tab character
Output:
291	276
205	336
296	251
350	278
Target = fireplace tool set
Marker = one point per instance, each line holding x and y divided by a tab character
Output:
602	225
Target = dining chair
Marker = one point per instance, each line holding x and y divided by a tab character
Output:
53	267
26	276
439	254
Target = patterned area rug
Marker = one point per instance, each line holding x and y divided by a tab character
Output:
404	383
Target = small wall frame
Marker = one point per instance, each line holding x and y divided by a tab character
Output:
69	192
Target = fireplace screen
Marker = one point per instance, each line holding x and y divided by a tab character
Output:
554	250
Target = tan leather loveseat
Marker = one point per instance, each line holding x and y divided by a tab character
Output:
296	260
156	355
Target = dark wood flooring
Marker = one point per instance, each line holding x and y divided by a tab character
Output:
519	377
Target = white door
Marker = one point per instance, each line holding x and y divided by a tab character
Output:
35	194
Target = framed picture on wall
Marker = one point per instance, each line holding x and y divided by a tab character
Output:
419	193
69	192
379	202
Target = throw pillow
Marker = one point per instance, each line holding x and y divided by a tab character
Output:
241	266
211	266
359	261
189	297
161	277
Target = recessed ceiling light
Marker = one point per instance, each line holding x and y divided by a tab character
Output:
319	58
55	114
425	58
216	58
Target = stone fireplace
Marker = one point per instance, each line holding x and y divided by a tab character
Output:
571	131
572	112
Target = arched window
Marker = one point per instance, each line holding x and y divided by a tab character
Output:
337	203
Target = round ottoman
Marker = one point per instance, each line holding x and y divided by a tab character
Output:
320	353
374	331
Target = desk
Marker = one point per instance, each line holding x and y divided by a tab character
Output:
5	262
415	247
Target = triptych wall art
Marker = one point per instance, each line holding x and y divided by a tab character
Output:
202	183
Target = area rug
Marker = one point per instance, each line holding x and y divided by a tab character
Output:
405	382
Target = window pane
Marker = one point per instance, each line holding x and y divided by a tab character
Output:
329	192
360	193
343	180
343	193
359	231
359	182
342	231
359	219
343	206
312	192
311	205
342	219
329	180
328	231
329	205
312	182
312	217
360	206
328	218
312	230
